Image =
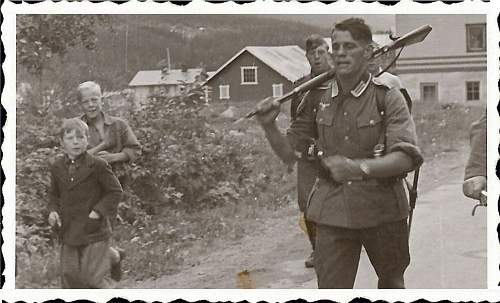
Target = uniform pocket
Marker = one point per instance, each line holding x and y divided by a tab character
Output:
324	117
369	130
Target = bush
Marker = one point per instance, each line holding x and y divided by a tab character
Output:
187	172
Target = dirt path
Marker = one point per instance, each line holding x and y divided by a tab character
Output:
272	254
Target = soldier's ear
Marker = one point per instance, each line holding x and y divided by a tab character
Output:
368	51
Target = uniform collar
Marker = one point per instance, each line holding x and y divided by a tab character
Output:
357	91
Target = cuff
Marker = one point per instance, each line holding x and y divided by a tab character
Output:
411	150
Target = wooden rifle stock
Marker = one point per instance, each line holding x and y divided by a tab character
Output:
314	82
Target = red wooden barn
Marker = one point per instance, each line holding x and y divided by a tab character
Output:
257	72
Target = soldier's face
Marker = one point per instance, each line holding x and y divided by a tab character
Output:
90	101
319	59
350	56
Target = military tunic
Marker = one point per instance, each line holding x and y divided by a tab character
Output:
369	212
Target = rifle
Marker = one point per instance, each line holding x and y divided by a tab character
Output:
415	36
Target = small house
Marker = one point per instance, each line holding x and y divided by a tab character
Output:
165	82
257	72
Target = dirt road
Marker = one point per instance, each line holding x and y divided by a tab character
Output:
448	246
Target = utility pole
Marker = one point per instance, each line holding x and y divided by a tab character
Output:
168	58
126	48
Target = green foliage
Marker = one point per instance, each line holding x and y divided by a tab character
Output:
41	37
193	163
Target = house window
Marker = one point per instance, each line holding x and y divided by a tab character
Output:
472	90
277	90
429	92
476	37
249	75
223	92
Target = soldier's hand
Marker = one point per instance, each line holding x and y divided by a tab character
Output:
342	169
54	219
268	110
472	187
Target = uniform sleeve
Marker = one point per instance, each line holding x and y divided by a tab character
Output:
302	129
400	129
131	145
476	165
111	188
53	192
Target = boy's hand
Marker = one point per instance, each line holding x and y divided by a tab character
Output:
54	219
94	215
106	156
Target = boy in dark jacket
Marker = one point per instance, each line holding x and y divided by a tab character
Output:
84	192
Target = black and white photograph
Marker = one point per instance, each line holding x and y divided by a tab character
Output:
218	149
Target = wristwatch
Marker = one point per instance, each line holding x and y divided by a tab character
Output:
364	168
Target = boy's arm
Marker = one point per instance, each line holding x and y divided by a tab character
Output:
112	190
53	192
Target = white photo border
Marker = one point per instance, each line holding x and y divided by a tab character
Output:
10	10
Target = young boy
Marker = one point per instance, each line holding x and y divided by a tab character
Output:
83	193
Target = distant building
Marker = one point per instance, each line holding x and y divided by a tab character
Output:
169	83
450	65
257	72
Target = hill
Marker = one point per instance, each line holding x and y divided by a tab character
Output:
139	42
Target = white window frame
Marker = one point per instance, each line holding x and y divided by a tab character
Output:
224	92
277	90
243	69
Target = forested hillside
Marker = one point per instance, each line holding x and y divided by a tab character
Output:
131	43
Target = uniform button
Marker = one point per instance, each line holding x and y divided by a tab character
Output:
349	182
372	122
345	113
71	179
320	119
346	138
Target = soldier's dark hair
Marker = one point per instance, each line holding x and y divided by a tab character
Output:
357	27
313	41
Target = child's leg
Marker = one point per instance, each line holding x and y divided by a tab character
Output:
70	269
96	264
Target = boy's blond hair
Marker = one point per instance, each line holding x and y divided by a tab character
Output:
76	124
86	86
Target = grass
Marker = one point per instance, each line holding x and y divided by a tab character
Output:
161	245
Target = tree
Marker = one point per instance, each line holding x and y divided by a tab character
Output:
41	37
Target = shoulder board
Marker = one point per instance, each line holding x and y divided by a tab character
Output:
380	82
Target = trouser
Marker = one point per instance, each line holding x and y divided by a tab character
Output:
338	251
311	232
86	266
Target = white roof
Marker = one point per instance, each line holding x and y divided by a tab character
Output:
289	61
173	77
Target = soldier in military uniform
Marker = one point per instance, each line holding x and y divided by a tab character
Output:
359	199
320	61
475	170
